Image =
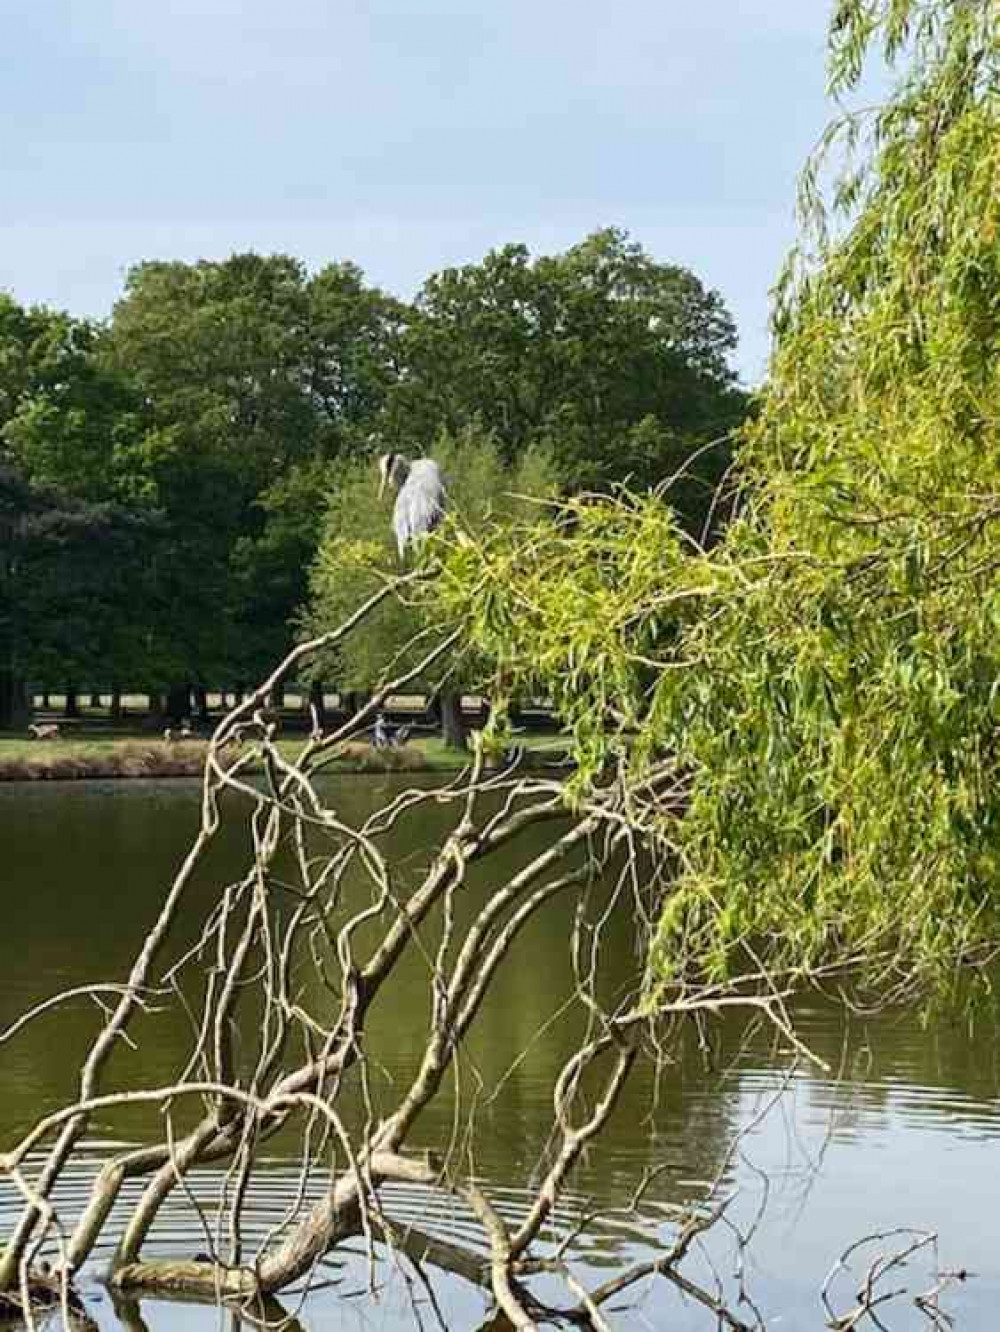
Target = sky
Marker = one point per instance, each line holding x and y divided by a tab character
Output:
405	135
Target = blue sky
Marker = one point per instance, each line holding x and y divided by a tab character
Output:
406	135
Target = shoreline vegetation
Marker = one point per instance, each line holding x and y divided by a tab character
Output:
134	757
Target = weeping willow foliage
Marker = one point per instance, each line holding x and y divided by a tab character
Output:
357	553
825	682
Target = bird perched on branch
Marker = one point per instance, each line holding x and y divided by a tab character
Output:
420	498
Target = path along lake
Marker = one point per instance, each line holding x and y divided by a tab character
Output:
904	1131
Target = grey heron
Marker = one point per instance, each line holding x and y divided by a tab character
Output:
420	498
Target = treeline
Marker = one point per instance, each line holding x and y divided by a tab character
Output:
165	476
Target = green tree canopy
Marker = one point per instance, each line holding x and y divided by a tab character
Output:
809	713
617	363
74	600
74	603
223	399
254	374
357	552
69	420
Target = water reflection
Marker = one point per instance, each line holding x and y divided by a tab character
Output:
898	1134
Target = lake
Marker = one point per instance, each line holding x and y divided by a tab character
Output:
902	1131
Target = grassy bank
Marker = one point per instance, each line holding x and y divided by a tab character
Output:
133	756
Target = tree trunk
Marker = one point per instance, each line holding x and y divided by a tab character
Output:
352	701
72	709
452	722
179	701
155	706
277	699
15	708
201	702
116	704
95	699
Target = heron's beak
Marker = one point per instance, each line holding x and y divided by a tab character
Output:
381	485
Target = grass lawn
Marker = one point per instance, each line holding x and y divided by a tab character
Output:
97	752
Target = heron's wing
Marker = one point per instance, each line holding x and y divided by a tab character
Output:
420	503
425	475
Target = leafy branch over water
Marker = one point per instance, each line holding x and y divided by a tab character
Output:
824	679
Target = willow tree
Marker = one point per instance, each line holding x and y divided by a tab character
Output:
357	555
826	681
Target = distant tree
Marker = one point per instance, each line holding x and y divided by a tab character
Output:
73	591
16	502
616	363
254	374
270	568
74	555
75	419
357	551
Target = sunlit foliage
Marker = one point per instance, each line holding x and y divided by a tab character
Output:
357	551
824	685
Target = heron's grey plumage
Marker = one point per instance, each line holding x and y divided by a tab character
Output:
421	498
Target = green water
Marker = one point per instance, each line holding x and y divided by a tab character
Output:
901	1132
